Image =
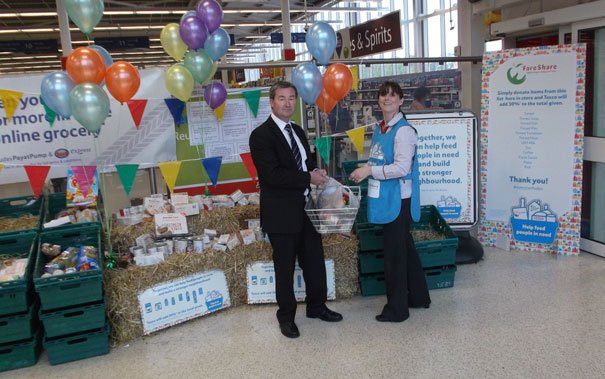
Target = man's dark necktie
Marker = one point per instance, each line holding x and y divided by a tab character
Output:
294	145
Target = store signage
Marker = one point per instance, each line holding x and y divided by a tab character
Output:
122	43
296	37
372	37
30	46
170	303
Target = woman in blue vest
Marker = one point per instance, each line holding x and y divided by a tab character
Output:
393	200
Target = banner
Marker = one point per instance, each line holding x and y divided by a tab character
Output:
532	146
28	139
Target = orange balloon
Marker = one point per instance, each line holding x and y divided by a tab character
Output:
338	80
85	65
122	80
325	102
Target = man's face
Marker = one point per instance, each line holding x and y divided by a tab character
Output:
284	103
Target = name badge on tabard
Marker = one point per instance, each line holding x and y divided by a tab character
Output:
373	188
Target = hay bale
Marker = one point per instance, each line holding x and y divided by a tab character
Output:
243	213
243	255
124	236
343	250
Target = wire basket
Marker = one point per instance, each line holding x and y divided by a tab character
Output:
334	220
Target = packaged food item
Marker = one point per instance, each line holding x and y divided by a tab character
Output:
68	258
12	269
233	241
87	258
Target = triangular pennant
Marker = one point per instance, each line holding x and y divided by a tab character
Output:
355	72
357	135
170	171
10	100
127	173
1	166
85	176
213	167
253	100
220	111
51	115
176	107
137	107
247	159
37	176
323	145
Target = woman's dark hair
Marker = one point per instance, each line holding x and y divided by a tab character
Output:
388	87
421	93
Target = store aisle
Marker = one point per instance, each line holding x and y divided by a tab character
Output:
515	314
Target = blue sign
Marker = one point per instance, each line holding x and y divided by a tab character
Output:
30	46
122	43
296	37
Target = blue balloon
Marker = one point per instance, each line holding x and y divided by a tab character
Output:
107	59
321	41
55	88
217	44
308	81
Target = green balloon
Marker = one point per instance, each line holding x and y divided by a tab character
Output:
199	63
89	105
86	14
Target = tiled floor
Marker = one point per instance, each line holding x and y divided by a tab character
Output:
513	315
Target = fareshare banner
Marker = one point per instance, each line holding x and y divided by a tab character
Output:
532	122
28	139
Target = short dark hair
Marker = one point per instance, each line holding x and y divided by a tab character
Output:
421	93
279	85
388	87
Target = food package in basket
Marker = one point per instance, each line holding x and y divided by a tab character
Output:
336	207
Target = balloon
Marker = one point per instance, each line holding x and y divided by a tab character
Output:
122	80
215	94
85	65
86	14
193	32
171	41
217	44
55	88
308	82
212	72
179	82
211	13
199	63
324	102
321	41
90	106
187	14
338	80
107	59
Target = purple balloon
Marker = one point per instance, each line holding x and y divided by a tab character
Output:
193	32
215	94
211	14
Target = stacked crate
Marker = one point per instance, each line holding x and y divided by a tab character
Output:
55	203
72	307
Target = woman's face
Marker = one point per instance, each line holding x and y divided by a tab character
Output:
390	102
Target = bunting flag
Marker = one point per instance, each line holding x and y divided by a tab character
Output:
253	100
213	167
220	111
37	176
137	107
10	99
127	173
355	72
357	135
51	115
247	159
170	171
1	166
323	145
85	176
176	107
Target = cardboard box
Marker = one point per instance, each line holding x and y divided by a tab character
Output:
191	209
167	224
179	198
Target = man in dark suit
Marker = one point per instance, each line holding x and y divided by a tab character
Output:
286	169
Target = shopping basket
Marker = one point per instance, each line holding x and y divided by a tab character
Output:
334	220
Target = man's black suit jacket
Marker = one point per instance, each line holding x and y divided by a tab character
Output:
282	185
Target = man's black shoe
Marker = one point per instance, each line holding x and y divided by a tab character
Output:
289	330
326	315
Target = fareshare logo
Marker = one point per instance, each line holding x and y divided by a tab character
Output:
513	75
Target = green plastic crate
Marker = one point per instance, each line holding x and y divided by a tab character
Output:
20	326
371	262
55	203
16	295
77	346
347	168
75	288
20	354
370	237
372	284
440	277
438	252
19	206
73	319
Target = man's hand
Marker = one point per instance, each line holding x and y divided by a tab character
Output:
319	177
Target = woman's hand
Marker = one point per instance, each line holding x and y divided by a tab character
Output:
360	174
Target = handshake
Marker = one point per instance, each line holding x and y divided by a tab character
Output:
319	177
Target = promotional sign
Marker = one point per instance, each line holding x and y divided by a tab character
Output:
29	139
532	147
179	300
372	37
261	282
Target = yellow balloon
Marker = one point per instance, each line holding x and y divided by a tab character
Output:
172	43
211	76
179	82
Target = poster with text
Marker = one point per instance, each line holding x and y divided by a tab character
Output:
532	122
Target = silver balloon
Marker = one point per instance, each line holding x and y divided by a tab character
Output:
308	81
55	88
